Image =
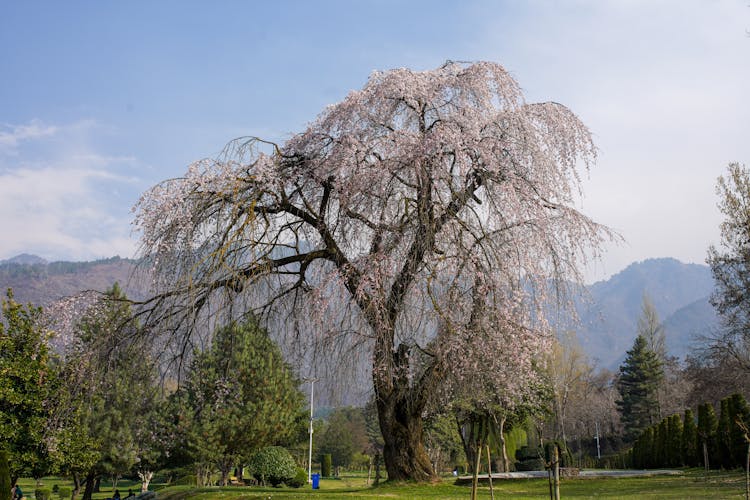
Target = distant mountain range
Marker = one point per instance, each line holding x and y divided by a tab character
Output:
608	310
680	293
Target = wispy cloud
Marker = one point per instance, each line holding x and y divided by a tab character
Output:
63	198
12	135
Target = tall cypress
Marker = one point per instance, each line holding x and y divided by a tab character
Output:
739	411
690	440
640	375
724	435
707	426
675	441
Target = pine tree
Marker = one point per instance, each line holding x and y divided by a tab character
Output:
689	440
639	380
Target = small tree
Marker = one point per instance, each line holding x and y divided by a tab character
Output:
242	396
640	375
26	376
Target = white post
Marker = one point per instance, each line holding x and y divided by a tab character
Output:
598	453
309	456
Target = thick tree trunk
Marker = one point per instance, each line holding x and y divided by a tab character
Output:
403	451
88	490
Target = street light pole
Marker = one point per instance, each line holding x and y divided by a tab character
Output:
309	455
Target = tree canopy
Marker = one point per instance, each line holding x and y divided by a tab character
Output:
383	225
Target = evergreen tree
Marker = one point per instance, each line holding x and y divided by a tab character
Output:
740	411
640	376
724	435
690	440
675	441
707	425
242	396
26	375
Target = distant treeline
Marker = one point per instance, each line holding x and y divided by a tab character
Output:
15	270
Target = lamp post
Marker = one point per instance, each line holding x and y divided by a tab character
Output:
309	455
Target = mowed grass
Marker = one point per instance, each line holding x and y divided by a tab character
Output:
692	484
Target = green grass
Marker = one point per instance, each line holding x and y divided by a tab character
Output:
693	484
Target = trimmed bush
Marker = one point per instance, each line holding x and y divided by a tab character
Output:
55	488
299	480
326	465
64	492
43	494
274	465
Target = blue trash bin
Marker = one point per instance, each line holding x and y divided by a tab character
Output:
316	481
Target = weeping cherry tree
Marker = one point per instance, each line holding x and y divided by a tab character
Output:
377	225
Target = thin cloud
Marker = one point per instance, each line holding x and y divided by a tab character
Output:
11	136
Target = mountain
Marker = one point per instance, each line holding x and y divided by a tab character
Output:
36	281
608	311
679	292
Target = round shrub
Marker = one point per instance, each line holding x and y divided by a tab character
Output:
299	480
273	464
43	494
65	492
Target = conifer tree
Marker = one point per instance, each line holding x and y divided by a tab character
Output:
739	412
640	375
724	434
707	425
675	441
689	440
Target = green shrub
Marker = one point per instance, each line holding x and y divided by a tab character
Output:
43	494
326	463
55	488
273	464
186	480
65	492
299	480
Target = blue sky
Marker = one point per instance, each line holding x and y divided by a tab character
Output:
100	100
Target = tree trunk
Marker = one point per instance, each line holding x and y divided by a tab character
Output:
403	451
503	449
400	406
705	455
88	490
76	486
145	477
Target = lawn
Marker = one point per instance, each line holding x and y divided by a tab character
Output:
692	484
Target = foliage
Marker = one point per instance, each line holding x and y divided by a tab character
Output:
326	465
64	492
272	464
43	494
26	375
345	434
707	426
241	396
640	375
299	479
381	225
106	396
730	266
690	453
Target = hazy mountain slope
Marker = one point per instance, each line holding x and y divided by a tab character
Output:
608	311
40	283
678	291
